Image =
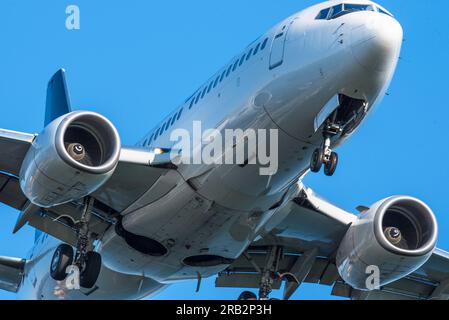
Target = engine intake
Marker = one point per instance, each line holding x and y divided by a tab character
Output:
406	226
397	235
88	141
74	156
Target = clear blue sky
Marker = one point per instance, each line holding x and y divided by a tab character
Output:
134	61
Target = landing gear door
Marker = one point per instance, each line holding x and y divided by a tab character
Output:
278	45
327	110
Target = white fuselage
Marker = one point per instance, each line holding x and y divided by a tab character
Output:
219	210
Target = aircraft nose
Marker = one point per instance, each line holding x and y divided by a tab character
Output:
376	44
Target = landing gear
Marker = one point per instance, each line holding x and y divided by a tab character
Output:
317	160
331	165
328	158
62	258
87	261
91	271
248	296
270	272
324	154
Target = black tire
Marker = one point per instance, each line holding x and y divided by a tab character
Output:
331	166
317	161
62	258
119	230
91	271
247	296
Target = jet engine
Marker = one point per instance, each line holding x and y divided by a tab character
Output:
73	157
389	241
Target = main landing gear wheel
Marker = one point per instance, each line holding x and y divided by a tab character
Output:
62	258
317	160
331	165
91	271
248	296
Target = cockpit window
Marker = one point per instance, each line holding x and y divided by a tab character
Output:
343	9
349	8
323	14
358	7
384	12
336	11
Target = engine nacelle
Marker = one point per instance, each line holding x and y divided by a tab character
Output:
73	157
396	237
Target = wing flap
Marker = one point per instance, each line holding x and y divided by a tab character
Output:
243	274
11	193
59	222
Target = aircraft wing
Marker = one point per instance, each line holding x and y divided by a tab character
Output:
431	282
125	187
304	246
13	148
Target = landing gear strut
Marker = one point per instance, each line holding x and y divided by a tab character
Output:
324	154
269	274
88	262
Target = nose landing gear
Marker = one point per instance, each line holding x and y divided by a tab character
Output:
88	262
324	154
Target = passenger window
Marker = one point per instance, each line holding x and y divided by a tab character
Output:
264	44
229	71
216	81
198	97
151	139
157	133
192	102
223	76
242	59
180	114
173	120
235	66
249	54
257	49
167	125
145	143
204	92
210	87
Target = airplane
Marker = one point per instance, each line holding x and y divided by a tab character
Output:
125	222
